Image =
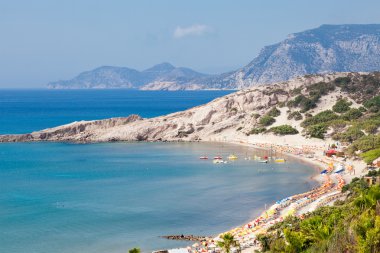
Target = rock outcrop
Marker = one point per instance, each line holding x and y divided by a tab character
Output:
234	114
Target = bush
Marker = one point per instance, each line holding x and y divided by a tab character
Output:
352	114
257	130
283	130
303	102
371	155
375	101
352	134
274	112
266	120
321	117
366	143
342	81
317	131
296	115
342	105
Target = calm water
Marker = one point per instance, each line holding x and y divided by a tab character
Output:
59	197
23	111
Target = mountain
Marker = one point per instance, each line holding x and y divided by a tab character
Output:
326	49
163	74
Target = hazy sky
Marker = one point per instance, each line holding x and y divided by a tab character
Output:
49	40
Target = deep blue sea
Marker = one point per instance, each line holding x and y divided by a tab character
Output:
110	197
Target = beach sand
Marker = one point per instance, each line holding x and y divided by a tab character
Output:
329	190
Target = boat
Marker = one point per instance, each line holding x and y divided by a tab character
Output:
216	161
324	172
279	160
203	157
232	157
218	157
263	161
339	168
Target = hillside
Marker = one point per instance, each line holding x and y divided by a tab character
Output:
165	75
344	107
326	49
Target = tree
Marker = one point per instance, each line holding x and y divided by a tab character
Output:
228	241
134	250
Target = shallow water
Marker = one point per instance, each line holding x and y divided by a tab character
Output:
58	197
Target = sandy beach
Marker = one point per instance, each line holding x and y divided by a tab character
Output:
329	189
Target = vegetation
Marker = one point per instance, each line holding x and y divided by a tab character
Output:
303	102
342	105
134	250
365	143
321	117
352	114
373	104
228	241
257	130
352	225
371	155
283	130
266	120
296	115
274	112
317	131
350	135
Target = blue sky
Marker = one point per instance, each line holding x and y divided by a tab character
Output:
49	40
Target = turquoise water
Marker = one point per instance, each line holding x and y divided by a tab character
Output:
60	197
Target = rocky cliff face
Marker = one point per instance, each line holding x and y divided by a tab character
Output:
326	49
232	115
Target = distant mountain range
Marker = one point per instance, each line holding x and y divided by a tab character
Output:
326	49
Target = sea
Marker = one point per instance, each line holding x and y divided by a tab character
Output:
110	197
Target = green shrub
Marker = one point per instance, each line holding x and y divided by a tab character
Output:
366	143
274	112
303	102
375	101
352	134
317	131
296	115
352	114
266	120
371	155
342	105
321	117
342	81
257	130
283	130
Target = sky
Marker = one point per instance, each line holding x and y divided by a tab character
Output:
50	40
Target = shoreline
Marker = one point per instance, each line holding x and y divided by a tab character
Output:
328	190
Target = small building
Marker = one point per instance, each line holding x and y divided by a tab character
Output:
372	180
